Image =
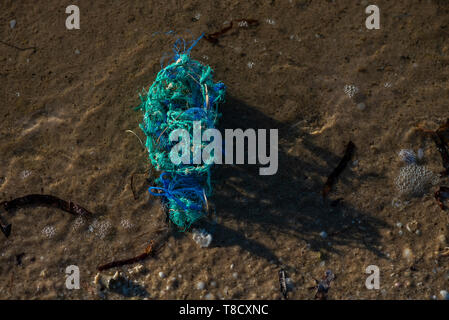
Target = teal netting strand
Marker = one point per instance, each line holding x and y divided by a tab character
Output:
183	92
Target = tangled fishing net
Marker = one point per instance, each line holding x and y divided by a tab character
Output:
183	92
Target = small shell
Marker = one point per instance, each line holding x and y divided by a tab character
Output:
202	237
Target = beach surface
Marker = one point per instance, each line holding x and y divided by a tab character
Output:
66	106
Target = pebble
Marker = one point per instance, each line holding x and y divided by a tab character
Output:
235	275
420	154
12	24
361	106
162	275
77	51
201	285
444	295
213	284
323	234
209	296
407	253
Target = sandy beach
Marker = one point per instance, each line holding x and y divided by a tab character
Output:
67	99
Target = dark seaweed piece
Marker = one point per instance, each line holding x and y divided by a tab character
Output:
324	285
242	23
43	200
442	195
336	202
339	169
119	263
149	251
283	283
441	138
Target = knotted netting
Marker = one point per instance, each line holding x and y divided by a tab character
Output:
183	93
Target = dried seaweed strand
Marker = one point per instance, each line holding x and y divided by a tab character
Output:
40	199
150	250
339	169
119	263
45	200
242	23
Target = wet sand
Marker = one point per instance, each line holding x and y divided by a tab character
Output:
66	106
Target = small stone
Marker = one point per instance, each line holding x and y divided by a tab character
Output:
407	254
231	266
12	24
420	154
162	275
361	106
444	295
323	234
235	275
201	285
209	296
213	284
77	51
